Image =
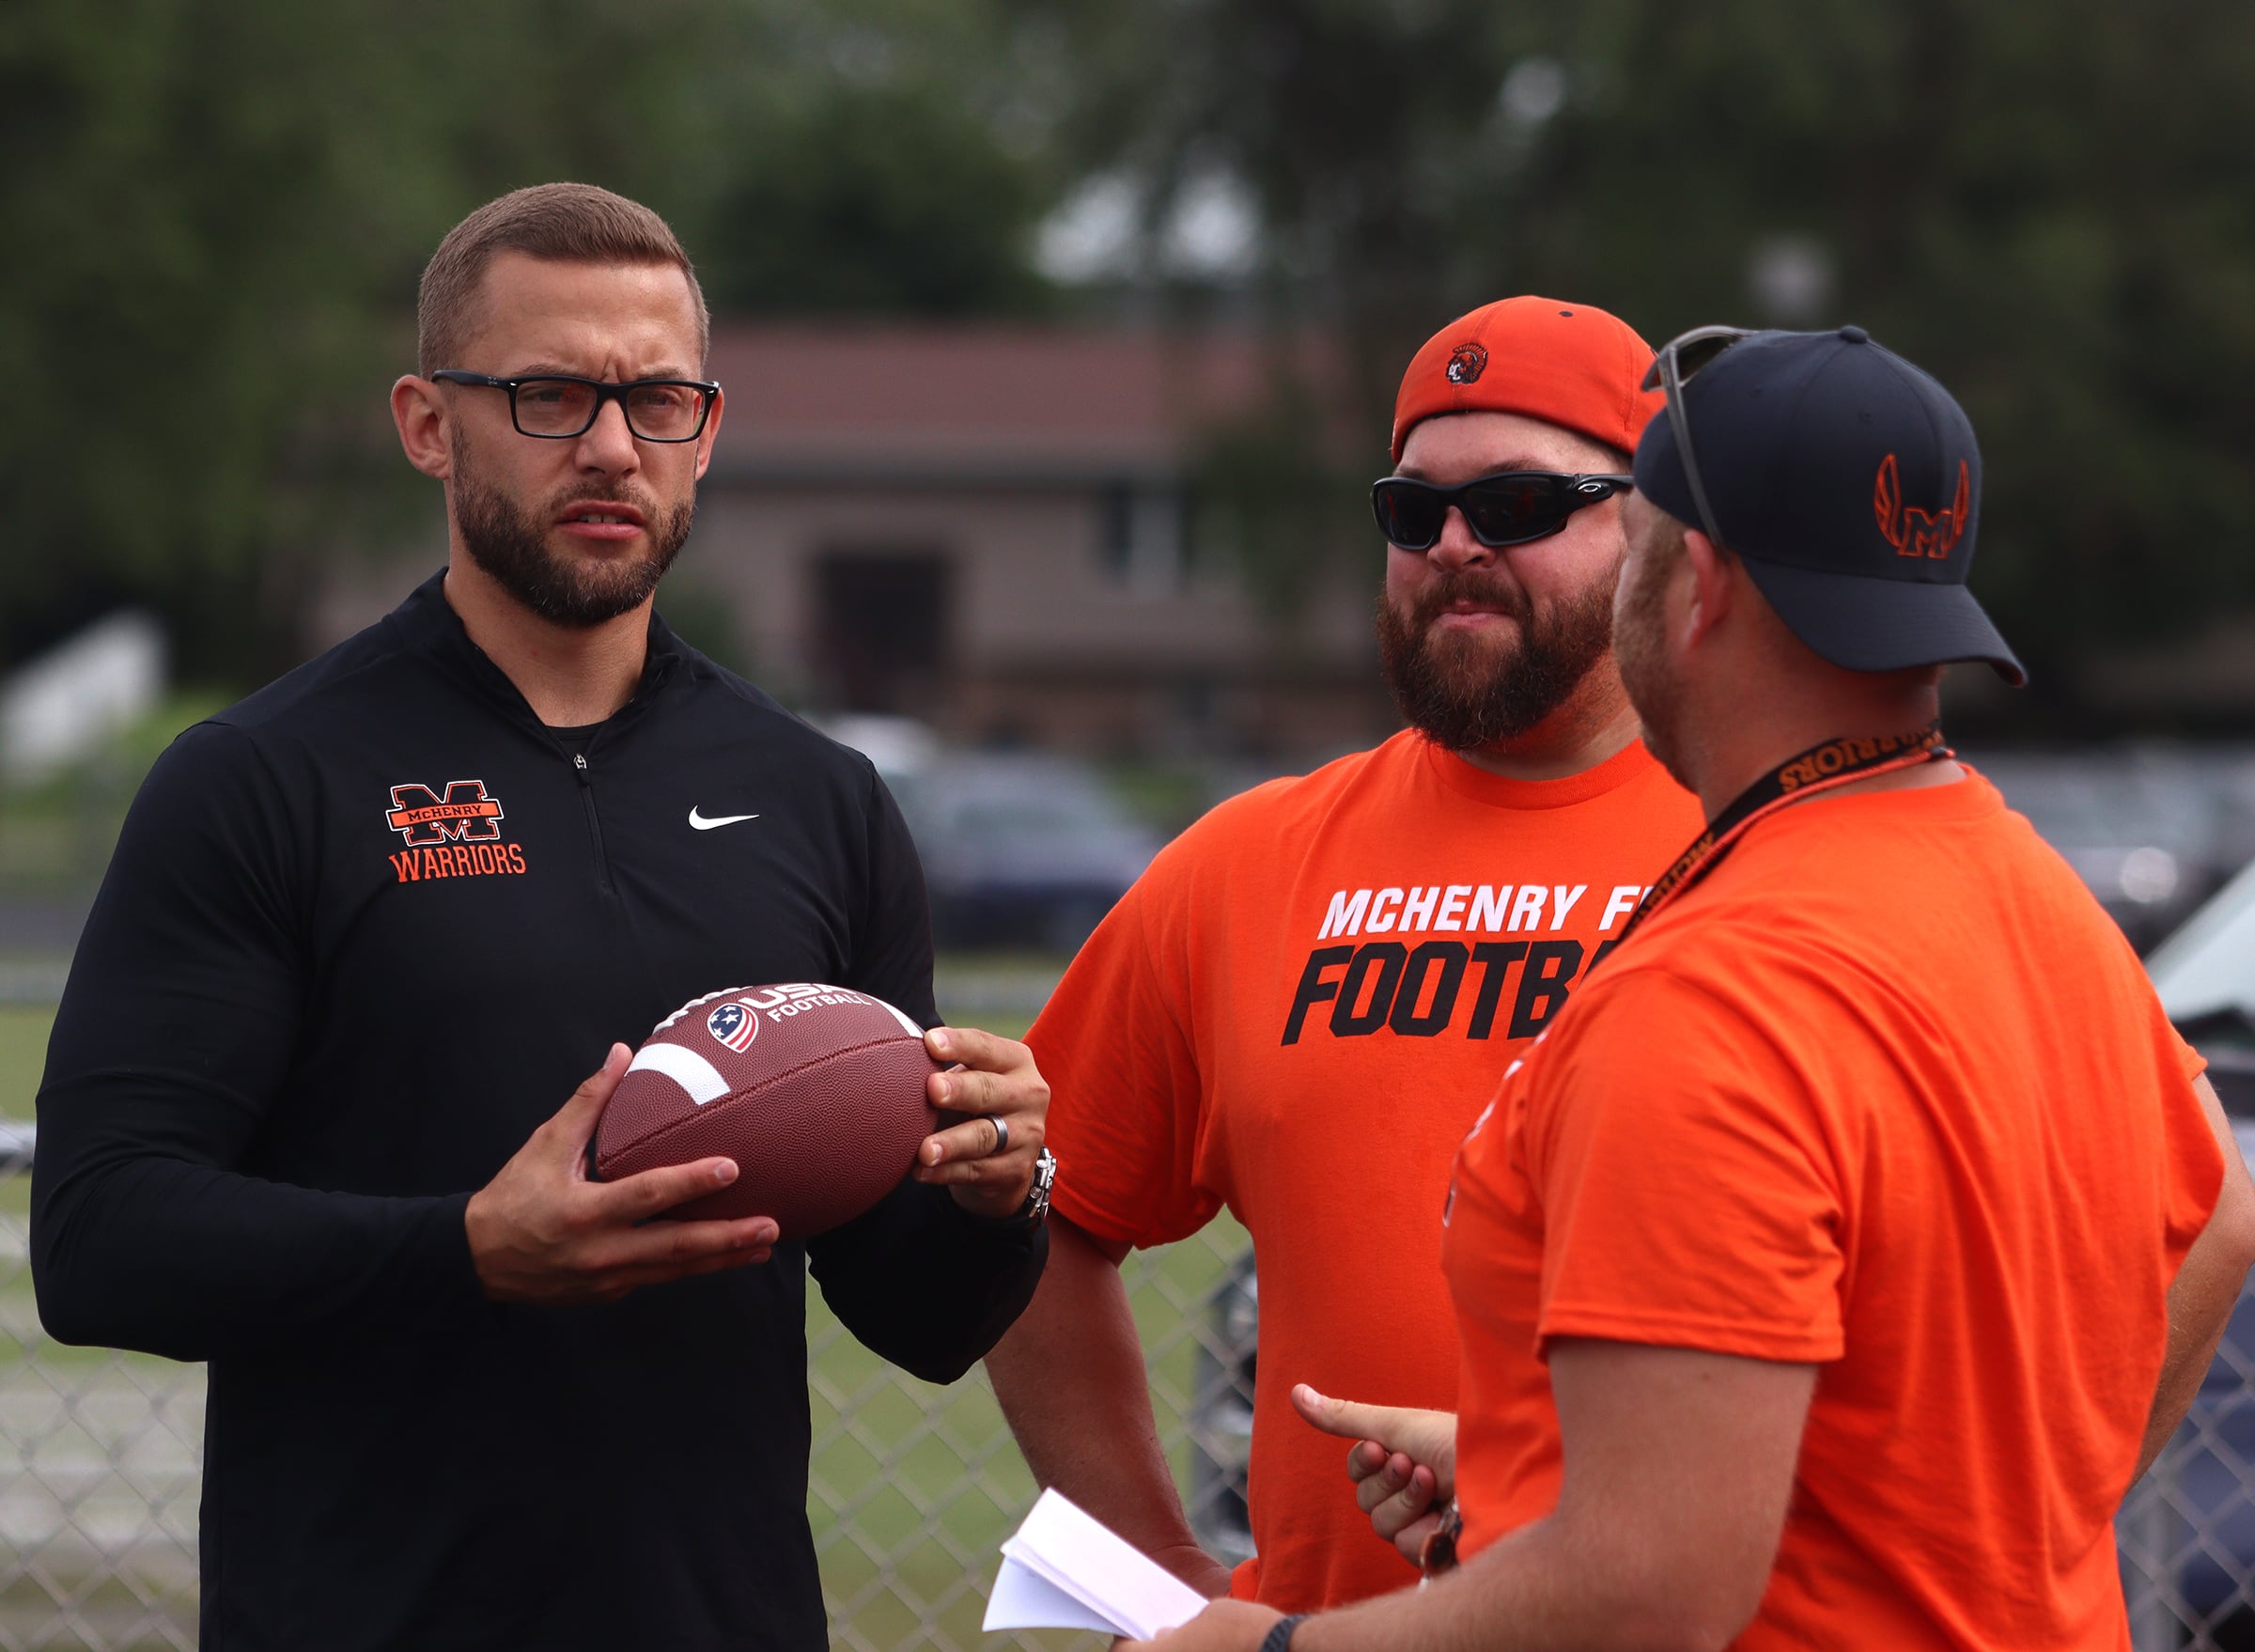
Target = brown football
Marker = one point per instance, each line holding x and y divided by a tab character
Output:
816	1092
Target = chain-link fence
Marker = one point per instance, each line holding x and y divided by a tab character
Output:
100	1458
912	1487
2187	1529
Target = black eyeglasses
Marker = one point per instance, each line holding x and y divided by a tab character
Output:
1679	359
557	409
1509	507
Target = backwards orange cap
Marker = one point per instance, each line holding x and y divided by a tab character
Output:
1566	364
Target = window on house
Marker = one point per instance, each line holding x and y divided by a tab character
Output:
1139	539
882	629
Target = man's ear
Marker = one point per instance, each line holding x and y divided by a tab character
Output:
710	433
1715	576
420	417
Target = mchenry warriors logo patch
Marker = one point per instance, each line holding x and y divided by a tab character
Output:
465	815
453	833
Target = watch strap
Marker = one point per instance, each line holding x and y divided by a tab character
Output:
1279	1633
1036	1207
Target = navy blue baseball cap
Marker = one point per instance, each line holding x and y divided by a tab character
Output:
1849	483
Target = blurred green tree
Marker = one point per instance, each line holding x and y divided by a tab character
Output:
219	208
872	199
2047	206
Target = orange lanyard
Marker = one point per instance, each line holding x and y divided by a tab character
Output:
1821	767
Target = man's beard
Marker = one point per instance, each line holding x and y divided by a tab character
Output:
1463	691
510	545
1640	649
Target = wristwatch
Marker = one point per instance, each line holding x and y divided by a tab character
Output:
1036	1206
1279	1632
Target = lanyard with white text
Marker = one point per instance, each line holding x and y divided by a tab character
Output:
1819	768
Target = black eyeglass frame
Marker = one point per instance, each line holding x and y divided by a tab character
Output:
605	390
1575	490
1669	375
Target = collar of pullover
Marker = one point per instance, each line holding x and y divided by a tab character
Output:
427	621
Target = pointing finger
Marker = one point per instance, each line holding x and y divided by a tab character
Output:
1348	1419
1428	1437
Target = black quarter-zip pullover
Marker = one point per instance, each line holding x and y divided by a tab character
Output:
362	934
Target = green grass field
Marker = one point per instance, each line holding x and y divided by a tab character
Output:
912	1487
23	1052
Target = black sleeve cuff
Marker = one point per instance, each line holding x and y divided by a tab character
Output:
925	1282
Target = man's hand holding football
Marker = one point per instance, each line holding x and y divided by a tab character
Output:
541	1232
998	1095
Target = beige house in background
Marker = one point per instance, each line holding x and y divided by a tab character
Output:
985	528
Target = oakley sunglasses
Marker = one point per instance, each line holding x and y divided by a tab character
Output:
1509	507
1679	361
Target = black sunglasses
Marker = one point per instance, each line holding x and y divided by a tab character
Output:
1679	359
1509	507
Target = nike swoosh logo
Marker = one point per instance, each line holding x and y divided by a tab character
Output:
707	823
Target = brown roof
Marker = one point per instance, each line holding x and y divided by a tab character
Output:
900	401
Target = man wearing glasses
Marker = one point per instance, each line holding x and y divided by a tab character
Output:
1849	1245
365	930
1297	1011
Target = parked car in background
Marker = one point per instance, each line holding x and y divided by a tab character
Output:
2188	1530
2152	830
1021	848
2205	975
902	749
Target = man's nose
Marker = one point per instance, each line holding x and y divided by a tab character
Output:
1456	548
608	445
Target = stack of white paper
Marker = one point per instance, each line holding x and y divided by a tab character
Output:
1063	1569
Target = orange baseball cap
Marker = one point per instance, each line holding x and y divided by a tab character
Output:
1567	363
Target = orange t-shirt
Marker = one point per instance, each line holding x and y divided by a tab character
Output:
1296	1014
1899	1103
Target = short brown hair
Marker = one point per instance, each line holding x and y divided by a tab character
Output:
564	223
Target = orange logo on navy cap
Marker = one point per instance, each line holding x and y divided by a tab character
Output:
1914	532
1467	362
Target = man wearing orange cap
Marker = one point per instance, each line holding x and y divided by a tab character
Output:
1828	1269
1299	1010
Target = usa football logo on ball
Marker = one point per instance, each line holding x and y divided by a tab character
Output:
732	1025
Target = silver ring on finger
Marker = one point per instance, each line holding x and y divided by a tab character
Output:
1002	1134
